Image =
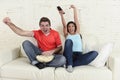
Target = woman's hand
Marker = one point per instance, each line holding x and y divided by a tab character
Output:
72	6
60	10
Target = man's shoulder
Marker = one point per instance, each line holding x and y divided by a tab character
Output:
54	31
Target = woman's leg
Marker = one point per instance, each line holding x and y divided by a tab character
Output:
77	58
86	58
31	51
68	52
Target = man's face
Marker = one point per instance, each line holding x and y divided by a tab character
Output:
45	27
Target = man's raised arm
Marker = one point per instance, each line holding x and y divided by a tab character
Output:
16	29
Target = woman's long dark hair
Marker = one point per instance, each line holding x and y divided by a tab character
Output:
71	22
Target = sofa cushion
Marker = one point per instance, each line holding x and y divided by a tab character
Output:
22	52
84	73
103	55
21	69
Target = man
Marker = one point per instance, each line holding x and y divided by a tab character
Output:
48	41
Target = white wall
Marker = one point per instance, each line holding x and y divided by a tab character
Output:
97	17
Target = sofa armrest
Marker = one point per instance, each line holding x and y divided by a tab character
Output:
8	54
114	66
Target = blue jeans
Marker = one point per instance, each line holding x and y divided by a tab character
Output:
77	58
32	51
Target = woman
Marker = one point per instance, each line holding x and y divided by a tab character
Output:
73	44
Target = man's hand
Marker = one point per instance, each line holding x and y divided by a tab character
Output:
47	53
6	20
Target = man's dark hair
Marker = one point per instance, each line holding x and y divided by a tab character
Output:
44	19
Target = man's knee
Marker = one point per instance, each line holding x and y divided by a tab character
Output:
62	60
26	43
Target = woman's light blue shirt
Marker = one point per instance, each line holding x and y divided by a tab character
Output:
77	42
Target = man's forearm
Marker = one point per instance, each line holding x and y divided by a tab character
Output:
14	28
57	50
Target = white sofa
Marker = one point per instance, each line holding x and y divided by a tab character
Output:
13	66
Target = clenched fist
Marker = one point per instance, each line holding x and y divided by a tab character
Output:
6	20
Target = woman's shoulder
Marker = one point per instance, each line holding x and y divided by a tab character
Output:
74	34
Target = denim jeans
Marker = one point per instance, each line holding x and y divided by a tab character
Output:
32	51
77	58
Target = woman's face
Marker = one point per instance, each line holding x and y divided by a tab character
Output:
71	28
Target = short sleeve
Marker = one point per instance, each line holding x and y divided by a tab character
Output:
58	40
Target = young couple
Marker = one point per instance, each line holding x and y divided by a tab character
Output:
49	43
